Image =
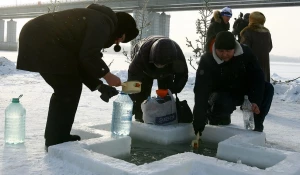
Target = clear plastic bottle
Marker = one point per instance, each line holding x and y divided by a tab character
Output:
248	114
122	115
15	114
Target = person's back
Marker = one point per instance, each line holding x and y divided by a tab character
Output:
141	59
240	24
258	38
63	32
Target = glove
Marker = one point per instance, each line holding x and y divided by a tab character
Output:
196	132
107	92
198	129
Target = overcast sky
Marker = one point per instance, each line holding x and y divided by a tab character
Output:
282	22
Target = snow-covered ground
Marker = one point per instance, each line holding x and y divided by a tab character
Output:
282	125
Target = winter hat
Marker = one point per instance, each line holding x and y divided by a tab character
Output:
225	40
257	17
162	52
127	26
226	11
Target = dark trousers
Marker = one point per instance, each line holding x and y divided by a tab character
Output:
63	106
222	104
147	83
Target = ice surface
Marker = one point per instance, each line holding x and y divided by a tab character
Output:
240	152
281	127
164	135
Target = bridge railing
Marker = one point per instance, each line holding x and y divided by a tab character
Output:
16	4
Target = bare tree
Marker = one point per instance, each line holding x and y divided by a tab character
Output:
143	22
202	25
54	6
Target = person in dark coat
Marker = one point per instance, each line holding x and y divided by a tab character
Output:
223	78
240	24
65	48
219	23
156	57
258	38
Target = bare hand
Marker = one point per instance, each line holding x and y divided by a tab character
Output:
255	108
112	79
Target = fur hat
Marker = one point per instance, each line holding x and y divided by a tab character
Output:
127	26
226	11
163	51
257	17
225	40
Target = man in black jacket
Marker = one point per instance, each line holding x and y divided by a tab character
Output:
223	78
65	48
239	24
156	57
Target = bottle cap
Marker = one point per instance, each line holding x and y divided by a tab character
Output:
15	100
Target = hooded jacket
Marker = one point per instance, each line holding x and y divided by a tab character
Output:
216	25
239	76
67	42
144	59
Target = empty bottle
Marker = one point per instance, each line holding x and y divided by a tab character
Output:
15	114
122	115
248	114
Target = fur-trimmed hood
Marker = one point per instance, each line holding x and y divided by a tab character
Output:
256	23
255	27
238	50
217	17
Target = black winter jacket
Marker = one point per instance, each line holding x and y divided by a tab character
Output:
240	76
142	65
67	42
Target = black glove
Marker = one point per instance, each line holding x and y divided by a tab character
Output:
198	129
107	92
196	132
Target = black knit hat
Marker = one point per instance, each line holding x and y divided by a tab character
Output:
163	51
225	40
127	26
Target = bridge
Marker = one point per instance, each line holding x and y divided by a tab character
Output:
39	8
132	6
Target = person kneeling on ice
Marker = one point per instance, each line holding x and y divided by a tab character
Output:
65	48
223	78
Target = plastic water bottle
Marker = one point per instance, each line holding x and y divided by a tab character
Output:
122	115
15	115
248	114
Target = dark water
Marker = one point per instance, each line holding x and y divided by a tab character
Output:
144	152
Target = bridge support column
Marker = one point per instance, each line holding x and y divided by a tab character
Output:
152	23
11	31
2	24
11	41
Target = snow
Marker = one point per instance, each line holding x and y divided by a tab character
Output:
282	130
